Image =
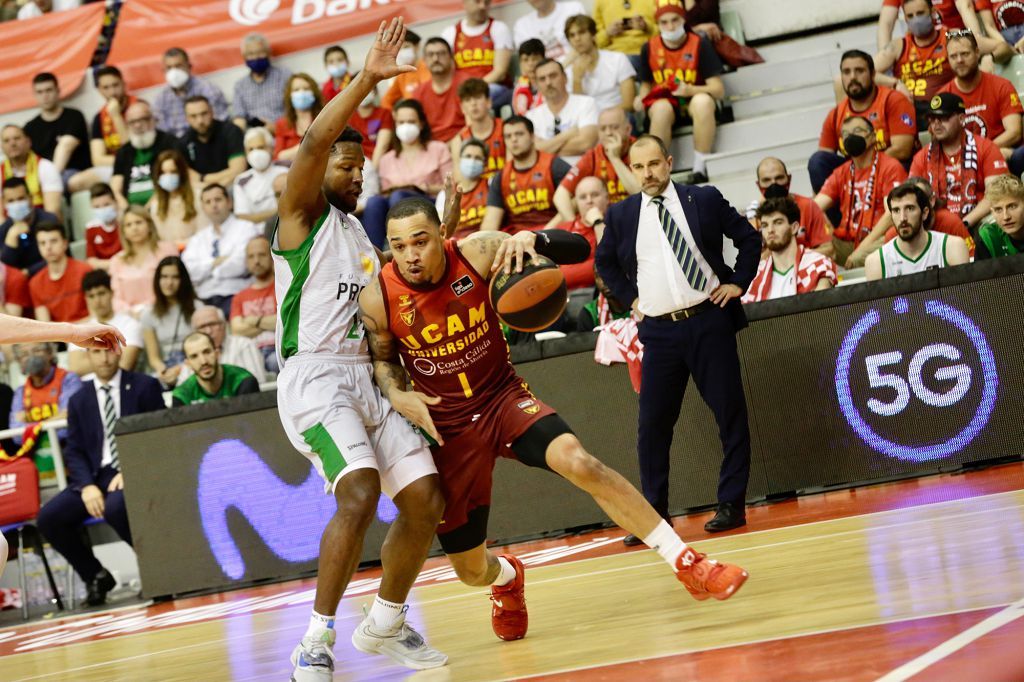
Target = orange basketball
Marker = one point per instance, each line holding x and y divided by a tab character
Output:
530	300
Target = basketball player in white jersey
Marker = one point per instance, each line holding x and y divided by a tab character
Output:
329	405
915	248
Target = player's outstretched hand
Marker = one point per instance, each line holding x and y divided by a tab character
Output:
413	406
93	335
382	59
452	207
512	252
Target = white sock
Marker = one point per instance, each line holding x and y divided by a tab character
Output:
507	573
385	614
666	543
700	162
318	624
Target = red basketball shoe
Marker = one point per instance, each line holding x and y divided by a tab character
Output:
705	577
508	610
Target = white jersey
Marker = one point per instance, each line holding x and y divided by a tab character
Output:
318	285
894	263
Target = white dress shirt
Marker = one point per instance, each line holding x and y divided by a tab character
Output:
231	275
663	287
115	393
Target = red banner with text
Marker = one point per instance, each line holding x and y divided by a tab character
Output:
59	42
211	30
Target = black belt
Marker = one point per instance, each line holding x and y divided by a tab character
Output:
685	313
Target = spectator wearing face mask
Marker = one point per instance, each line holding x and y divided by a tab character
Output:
416	166
169	106
338	75
253	192
473	181
134	163
257	97
302	103
102	232
19	230
813	228
376	125
174	202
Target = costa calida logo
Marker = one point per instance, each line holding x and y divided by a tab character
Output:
252	12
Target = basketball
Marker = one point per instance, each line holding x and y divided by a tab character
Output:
530	300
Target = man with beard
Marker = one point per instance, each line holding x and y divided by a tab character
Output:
440	95
210	379
773	182
132	181
1006	237
942	219
889	112
919	59
991	105
916	248
858	188
790	268
959	165
329	407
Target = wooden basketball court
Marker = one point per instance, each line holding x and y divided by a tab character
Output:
919	580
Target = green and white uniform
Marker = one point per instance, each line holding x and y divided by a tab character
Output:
329	406
894	263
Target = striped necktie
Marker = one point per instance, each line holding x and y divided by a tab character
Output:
109	420
691	268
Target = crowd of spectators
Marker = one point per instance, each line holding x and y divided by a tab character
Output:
535	124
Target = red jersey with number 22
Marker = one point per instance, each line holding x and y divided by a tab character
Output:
449	338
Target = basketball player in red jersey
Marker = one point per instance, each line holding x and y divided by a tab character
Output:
429	310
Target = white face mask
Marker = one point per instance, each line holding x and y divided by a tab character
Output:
176	77
407	55
407	132
337	70
258	159
674	36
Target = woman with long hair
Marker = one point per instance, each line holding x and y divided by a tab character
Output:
415	166
131	269
167	322
173	205
302	102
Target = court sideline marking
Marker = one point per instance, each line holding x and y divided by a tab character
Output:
577	576
955	644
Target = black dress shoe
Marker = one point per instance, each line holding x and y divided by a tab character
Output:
632	540
98	587
727	517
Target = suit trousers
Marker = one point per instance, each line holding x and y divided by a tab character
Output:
61	518
702	347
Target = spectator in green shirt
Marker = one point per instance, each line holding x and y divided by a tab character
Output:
1006	236
210	379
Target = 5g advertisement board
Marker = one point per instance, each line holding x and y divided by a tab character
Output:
859	384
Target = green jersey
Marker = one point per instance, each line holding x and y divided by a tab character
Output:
237	381
996	242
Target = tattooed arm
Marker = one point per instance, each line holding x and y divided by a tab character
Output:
387	368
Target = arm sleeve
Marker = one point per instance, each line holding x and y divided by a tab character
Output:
502	36
218	102
494	197
588	113
981	252
240	199
710	63
238	103
583	168
17	405
235	145
562	246
197	261
832	188
76	460
123	166
49	177
828	138
95	132
746	239
234	265
79	128
152	398
901	117
607	263
559	169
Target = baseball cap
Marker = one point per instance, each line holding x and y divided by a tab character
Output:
945	104
667	6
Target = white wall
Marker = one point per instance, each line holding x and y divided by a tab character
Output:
768	18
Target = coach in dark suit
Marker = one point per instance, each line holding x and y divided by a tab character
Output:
662	251
95	486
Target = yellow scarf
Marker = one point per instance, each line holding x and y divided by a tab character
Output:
31	177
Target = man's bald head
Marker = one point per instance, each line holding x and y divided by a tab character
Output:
138	108
591	192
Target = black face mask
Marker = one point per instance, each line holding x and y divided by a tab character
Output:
855	145
774	191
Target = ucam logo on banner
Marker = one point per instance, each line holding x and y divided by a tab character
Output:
211	30
916	384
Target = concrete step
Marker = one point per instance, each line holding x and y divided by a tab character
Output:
792	152
770	102
861	36
792	124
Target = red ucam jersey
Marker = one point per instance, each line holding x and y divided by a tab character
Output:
449	338
474	55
